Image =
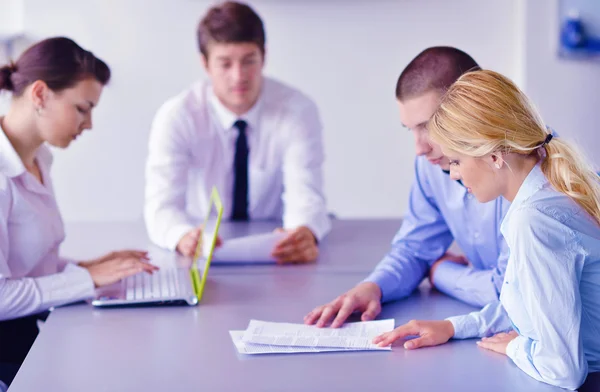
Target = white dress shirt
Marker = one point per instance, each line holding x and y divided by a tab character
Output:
551	290
192	149
33	277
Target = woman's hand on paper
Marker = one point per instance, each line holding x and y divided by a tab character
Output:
430	333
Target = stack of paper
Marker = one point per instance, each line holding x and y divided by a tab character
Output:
269	338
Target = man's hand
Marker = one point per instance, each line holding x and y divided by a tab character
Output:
298	246
364	298
189	242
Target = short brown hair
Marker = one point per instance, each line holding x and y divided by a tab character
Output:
230	22
435	68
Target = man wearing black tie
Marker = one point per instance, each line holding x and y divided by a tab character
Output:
257	140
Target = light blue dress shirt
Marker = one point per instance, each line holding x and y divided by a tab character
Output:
441	210
551	290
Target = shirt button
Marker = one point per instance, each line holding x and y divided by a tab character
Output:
476	234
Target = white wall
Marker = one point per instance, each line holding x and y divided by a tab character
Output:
11	24
567	92
11	16
346	55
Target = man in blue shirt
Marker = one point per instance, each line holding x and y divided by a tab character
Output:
440	211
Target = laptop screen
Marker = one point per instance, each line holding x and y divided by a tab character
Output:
210	232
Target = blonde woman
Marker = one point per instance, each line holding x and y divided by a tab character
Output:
548	317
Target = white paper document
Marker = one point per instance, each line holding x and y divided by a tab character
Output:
251	348
250	249
357	336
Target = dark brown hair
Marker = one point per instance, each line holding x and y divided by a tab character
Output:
58	61
435	68
230	22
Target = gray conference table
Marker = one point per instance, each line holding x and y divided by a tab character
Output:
189	349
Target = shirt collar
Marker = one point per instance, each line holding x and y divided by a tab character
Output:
11	164
227	118
534	181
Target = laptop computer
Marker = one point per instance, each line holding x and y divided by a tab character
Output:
170	285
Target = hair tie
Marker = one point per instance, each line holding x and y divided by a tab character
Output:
547	140
11	67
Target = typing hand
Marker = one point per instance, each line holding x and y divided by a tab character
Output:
498	342
141	254
189	242
447	257
364	298
115	266
299	246
431	333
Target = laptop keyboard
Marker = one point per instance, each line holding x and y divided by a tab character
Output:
164	283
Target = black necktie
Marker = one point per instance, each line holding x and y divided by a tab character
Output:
240	182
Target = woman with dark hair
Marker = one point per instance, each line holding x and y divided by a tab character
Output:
55	85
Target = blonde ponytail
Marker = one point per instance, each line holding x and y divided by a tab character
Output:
572	175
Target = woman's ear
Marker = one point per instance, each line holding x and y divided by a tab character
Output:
497	160
39	93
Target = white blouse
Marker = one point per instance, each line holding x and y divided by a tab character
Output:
33	277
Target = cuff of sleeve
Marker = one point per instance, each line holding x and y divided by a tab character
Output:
514	346
464	327
319	227
73	284
64	262
384	280
175	234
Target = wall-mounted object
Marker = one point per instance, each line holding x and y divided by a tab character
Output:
579	22
7	41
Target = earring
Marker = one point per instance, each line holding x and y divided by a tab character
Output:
497	166
38	110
